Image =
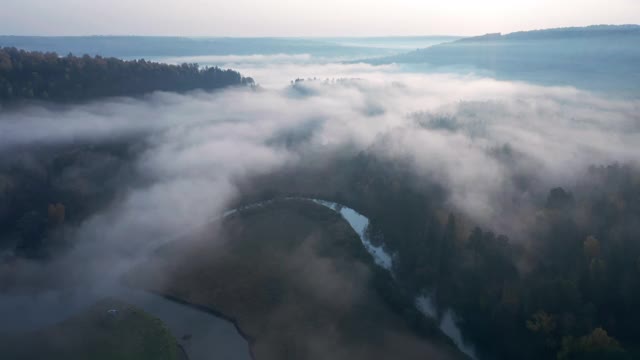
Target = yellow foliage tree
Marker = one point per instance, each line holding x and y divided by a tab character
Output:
597	341
541	322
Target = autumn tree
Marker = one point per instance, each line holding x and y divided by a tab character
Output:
596	345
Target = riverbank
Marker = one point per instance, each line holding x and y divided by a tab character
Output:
224	332
110	329
196	331
299	282
447	320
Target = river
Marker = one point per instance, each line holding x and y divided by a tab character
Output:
448	320
200	333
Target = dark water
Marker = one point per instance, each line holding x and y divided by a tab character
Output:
202	335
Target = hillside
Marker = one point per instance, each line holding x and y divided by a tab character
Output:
109	330
605	58
588	32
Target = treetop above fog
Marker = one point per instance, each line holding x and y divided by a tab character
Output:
47	76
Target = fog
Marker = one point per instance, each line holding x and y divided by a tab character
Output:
470	134
474	136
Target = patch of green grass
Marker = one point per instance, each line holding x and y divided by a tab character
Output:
97	334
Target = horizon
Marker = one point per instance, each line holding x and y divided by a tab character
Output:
321	37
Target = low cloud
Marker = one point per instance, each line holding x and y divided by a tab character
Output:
228	60
471	134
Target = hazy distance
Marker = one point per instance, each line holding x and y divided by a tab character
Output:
305	18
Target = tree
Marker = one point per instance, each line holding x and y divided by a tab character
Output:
544	326
591	248
5	61
596	345
56	214
559	199
47	76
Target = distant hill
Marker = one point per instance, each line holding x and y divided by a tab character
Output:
173	46
561	33
28	75
602	57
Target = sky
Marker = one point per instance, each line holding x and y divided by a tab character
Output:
305	17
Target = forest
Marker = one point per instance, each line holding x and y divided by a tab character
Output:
563	282
26	75
566	288
569	293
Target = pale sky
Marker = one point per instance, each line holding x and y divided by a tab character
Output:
305	17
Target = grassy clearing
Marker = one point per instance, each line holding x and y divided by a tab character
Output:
97	334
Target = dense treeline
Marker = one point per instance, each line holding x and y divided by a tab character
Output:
46	76
46	190
567	288
570	292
